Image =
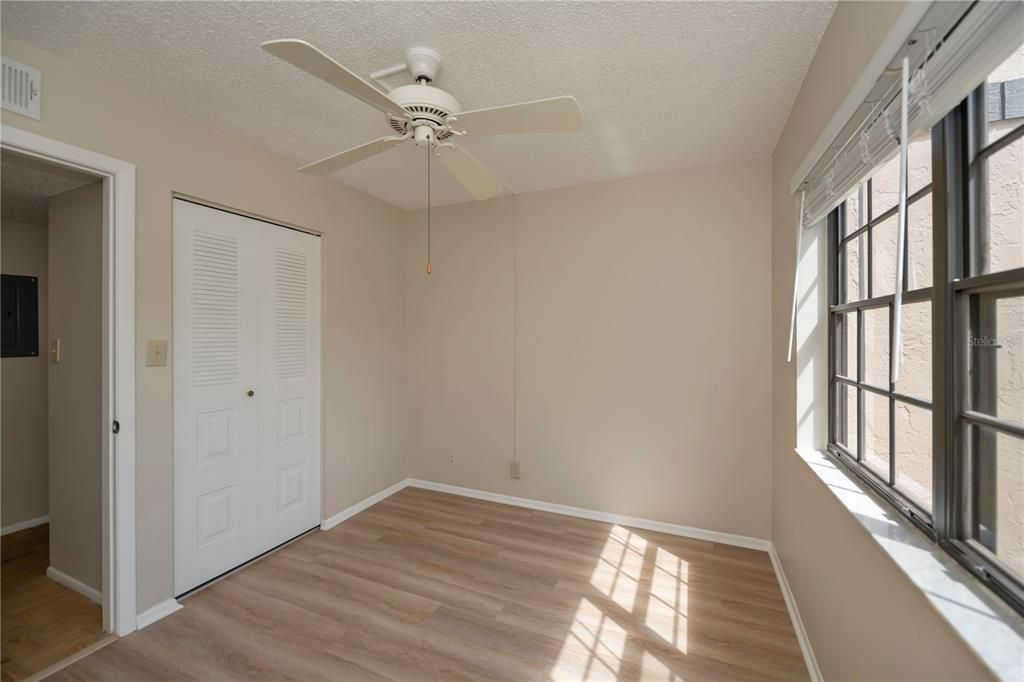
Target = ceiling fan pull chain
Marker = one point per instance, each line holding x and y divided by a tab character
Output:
429	268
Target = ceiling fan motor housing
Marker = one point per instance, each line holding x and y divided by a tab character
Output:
425	103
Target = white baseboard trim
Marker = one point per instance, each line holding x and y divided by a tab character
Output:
156	612
794	615
74	585
607	517
24	525
332	521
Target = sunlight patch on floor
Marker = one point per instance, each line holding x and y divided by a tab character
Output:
593	647
667	599
617	573
654	670
648	586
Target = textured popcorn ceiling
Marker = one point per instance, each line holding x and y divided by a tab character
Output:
661	85
26	185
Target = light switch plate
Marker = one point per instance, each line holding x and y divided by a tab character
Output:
55	350
156	353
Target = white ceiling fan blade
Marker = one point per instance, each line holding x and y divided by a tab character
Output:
471	174
555	115
301	54
344	159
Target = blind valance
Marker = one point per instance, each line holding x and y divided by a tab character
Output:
950	52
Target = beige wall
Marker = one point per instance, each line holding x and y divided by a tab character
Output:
23	393
362	254
864	618
643	346
76	384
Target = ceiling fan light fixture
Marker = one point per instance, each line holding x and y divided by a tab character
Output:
423	136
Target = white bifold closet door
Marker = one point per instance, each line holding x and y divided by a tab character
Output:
246	349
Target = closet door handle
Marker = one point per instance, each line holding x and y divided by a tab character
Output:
250	393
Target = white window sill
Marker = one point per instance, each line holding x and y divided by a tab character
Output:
991	628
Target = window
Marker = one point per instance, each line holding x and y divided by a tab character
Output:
944	444
885	425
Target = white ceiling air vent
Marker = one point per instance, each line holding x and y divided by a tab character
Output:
22	88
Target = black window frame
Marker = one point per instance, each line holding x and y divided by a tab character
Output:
959	150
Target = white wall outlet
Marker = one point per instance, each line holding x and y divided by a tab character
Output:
156	353
514	470
451	460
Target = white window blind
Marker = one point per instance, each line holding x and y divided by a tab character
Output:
950	52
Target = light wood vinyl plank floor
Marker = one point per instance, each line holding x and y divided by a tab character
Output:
429	586
42	622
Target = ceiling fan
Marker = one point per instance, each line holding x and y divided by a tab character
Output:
428	116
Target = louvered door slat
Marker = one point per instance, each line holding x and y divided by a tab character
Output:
215	306
291	313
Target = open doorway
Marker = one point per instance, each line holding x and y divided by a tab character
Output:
51	389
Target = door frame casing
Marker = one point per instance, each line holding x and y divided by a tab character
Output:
118	362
